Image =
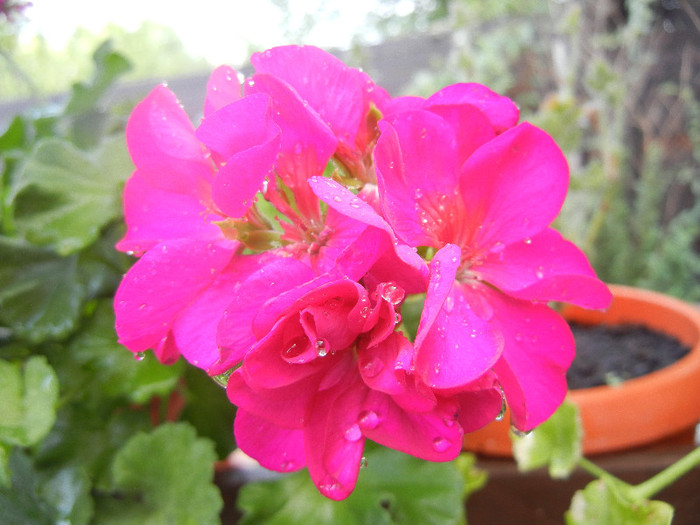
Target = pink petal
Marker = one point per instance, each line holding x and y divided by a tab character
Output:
332	89
274	447
513	187
334	440
545	268
472	128
154	215
242	177
416	163
195	330
443	270
223	88
162	284
500	110
478	408
239	126
538	349
434	435
235	333
455	343
287	407
163	145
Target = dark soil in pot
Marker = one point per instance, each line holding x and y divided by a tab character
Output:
609	354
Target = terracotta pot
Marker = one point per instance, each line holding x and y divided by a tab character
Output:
640	410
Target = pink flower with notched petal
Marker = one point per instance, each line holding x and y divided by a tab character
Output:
455	180
329	370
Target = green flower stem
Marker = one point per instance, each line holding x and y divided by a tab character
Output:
666	477
597	471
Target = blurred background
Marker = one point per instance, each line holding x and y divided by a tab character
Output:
616	82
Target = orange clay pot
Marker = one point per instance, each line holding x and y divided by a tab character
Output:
640	410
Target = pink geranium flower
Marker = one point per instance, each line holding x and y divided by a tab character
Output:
457	181
327	371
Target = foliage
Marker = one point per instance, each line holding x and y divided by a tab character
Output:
393	488
47	71
77	437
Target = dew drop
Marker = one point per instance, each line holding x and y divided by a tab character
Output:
539	273
449	304
502	413
418	194
140	356
441	444
520	433
363	462
337	198
321	348
368	420
354	433
331	487
373	367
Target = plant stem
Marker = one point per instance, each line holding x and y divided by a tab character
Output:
597	471
667	476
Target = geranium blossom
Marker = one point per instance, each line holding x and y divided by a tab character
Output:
279	238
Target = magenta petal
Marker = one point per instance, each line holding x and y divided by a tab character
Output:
288	406
235	333
479	408
343	200
537	352
274	447
334	440
434	435
242	177
416	163
500	110
471	126
161	285
546	268
223	88
154	215
455	343
443	270
163	145
195	329
334	90
239	126
377	364
513	187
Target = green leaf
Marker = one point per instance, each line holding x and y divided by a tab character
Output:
556	443
68	491
40	294
29	394
165	477
63	197
111	369
394	488
21	501
602	502
109	66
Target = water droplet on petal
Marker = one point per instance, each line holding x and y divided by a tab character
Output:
373	367
321	348
502	413
441	444
539	273
363	462
353	433
331	487
368	420
337	198
520	433
140	356
449	304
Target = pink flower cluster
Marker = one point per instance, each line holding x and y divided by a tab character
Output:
279	239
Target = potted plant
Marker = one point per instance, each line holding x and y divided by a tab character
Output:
656	405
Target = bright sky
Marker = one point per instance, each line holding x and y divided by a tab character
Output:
219	30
